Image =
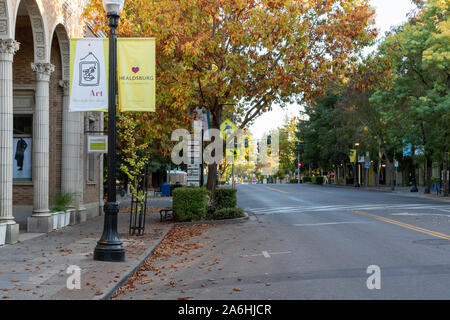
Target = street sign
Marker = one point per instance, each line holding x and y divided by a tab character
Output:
352	155
227	128
98	144
396	164
367	165
193	175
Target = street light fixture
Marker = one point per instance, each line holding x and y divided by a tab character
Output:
109	247
357	167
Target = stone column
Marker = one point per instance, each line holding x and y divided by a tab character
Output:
72	166
8	48
41	219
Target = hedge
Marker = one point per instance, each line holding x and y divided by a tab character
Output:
317	180
306	179
293	181
228	213
225	198
190	203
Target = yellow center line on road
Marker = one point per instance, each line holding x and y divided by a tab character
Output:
404	225
277	190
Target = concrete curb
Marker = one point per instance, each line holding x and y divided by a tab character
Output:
225	221
111	289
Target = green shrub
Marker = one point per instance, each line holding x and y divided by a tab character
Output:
293	181
228	213
190	203
340	180
317	180
436	180
62	201
225	198
306	179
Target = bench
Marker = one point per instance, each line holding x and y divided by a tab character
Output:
165	212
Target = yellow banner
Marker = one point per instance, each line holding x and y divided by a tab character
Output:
136	74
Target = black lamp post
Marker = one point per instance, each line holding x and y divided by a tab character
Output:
109	247
357	167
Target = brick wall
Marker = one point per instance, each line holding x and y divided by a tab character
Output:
56	100
23	75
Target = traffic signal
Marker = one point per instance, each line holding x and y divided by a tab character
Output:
269	140
259	148
246	143
299	164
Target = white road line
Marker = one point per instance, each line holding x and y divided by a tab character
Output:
419	214
328	223
266	254
286	252
273	210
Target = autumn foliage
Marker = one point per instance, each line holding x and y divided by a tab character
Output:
241	56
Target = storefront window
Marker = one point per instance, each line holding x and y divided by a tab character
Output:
22	147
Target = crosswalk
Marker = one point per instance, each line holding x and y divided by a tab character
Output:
297	209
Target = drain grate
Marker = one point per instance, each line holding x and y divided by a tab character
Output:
433	242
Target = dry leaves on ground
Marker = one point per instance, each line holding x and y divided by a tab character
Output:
177	242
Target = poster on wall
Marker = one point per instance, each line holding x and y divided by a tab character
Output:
22	158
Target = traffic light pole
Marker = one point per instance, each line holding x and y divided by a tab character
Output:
298	164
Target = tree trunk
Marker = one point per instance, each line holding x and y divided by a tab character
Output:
336	174
428	168
212	168
445	164
345	173
390	167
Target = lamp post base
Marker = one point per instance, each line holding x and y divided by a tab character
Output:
106	253
109	247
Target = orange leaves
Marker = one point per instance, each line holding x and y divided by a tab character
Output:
265	50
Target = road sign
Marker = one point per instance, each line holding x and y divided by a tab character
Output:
367	165
396	164
193	175
227	128
352	155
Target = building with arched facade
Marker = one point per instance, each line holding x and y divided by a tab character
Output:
42	145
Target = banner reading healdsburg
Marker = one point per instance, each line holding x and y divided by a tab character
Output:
136	74
88	74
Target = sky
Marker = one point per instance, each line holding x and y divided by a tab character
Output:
388	13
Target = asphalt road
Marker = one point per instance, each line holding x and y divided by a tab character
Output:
315	242
334	234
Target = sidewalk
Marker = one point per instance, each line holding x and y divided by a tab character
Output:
402	191
36	267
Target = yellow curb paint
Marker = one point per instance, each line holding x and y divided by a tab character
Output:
405	225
